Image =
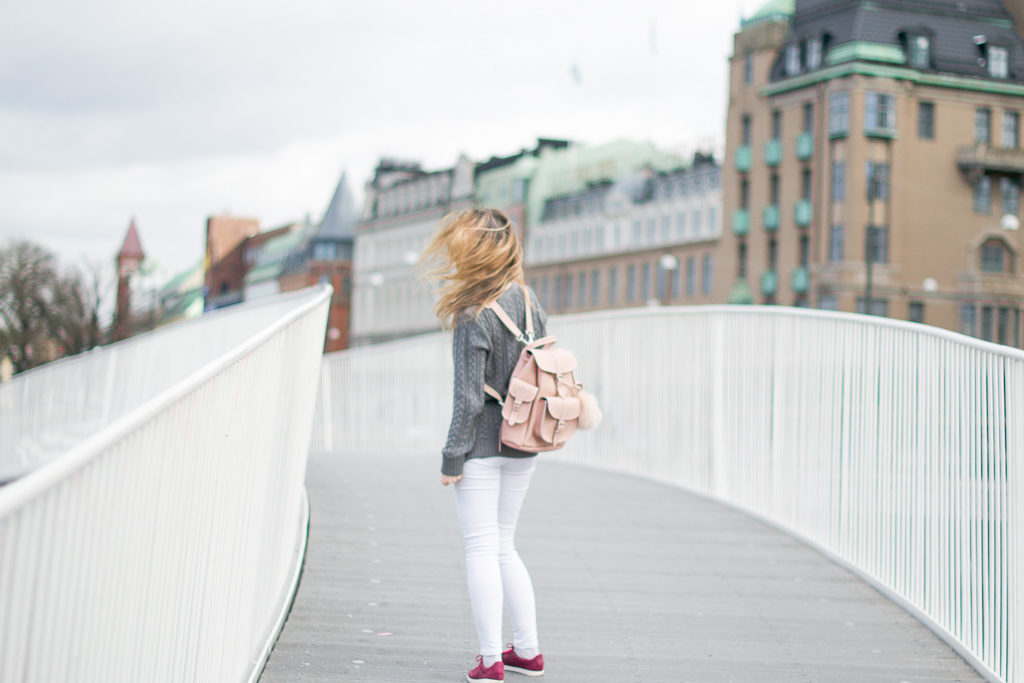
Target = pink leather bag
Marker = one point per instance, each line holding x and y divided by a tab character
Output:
545	404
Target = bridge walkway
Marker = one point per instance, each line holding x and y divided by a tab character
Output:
635	581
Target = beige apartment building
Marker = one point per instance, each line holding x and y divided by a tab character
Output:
873	153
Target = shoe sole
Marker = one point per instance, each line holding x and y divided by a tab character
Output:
484	680
525	672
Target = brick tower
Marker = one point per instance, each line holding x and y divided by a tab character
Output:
128	260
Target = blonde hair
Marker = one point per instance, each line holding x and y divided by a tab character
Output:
475	254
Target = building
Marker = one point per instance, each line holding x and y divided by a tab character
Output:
128	260
225	264
873	161
265	255
646	237
326	257
403	206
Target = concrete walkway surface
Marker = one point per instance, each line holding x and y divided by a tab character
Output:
635	582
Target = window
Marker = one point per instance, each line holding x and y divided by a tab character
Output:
691	276
878	180
986	323
581	289
838	180
681	224
567	302
744	194
983	194
617	234
712	217
919	52
544	292
838	113
792	59
741	261
915	311
813	53
805	184
773	254
993	257
637	232
676	282
877	244
1009	189
998	62
696	221
805	251
558	291
613	283
967	319
835	243
645	283
748	68
595	286
982	125
706	274
879	307
926	120
666	226
776	125
1011	128
879	112
1003	325
774	188
808	118
828	302
631	284
651	228
746	129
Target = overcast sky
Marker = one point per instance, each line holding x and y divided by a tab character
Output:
169	112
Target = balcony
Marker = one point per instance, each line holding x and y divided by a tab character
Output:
771	217
803	213
744	158
769	283
773	152
805	146
975	160
801	281
740	222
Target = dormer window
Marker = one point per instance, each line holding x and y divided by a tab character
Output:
920	52
793	59
813	54
998	62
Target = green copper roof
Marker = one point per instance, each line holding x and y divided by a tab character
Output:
271	260
770	10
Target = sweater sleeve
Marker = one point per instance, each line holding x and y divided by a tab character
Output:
470	348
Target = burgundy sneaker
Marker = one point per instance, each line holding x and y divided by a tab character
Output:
528	667
494	672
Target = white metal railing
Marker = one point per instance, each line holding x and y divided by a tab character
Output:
893	447
166	545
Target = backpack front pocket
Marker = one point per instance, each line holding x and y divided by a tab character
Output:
558	421
518	402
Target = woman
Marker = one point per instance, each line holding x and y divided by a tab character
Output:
480	260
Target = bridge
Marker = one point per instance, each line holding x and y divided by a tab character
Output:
775	494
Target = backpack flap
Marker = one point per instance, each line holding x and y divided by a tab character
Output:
554	361
519	401
559	419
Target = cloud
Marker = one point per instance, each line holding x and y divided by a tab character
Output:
173	111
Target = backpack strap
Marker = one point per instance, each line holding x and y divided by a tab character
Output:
510	324
514	329
493	393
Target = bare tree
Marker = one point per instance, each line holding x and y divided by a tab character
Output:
44	313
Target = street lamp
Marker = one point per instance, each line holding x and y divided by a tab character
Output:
669	264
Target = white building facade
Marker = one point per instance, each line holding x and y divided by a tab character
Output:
645	237
403	207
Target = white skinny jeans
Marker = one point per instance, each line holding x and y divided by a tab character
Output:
488	499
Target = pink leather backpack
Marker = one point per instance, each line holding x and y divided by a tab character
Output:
545	404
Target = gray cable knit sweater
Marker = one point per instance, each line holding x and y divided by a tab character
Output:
485	352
